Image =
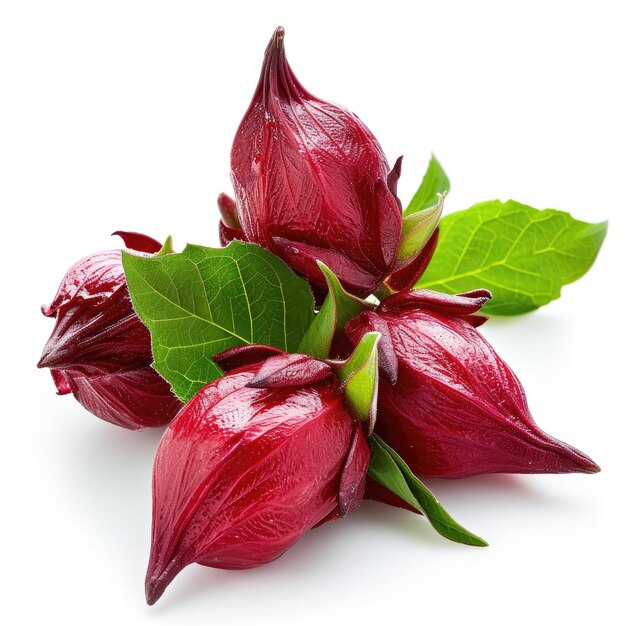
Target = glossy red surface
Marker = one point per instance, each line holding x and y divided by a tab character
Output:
229	227
245	355
228	210
99	350
312	182
97	335
290	370
407	276
139	242
456	408
93	278
134	398
241	473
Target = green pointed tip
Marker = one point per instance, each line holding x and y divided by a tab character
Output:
480	542
602	227
359	375
336	288
389	469
435	181
168	247
339	307
332	282
418	228
434	165
362	353
327	271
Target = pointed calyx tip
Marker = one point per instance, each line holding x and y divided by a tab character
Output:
278	37
151	596
154	590
590	467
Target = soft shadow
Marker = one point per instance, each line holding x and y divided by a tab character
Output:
487	486
541	322
513	320
112	454
108	475
476	496
196	583
315	551
109	472
411	525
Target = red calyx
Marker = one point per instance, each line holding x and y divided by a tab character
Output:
139	242
456	409
243	472
100	350
229	228
312	183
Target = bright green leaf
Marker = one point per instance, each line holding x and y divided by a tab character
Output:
339	307
203	300
522	255
387	468
434	182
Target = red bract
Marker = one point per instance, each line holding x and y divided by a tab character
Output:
448	404
312	183
229	224
405	277
254	460
100	350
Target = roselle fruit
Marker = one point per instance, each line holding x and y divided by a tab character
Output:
447	403
253	461
99	350
312	183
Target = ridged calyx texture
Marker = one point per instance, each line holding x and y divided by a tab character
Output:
447	403
253	461
312	183
100	350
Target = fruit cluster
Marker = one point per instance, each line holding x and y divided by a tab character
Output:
328	352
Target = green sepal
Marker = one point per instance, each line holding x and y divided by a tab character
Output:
359	377
418	228
387	468
435	182
339	307
168	247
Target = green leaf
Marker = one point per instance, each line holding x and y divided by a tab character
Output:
434	182
204	300
359	375
387	468
339	307
522	255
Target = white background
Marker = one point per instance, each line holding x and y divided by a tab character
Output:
120	115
